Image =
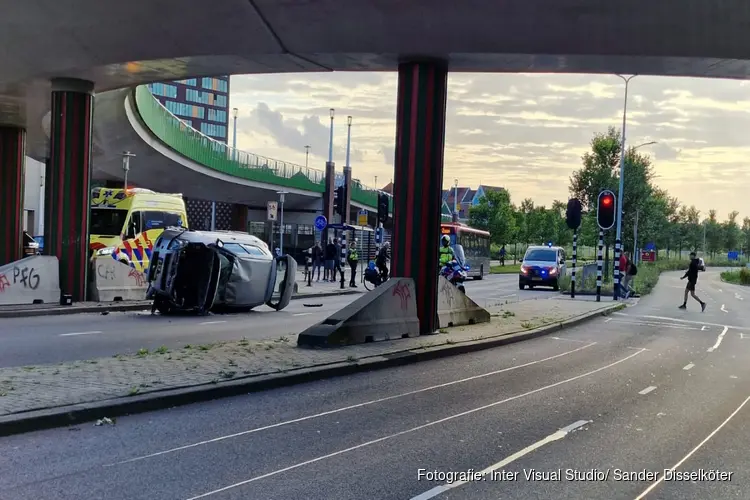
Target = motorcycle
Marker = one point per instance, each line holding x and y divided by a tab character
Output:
456	273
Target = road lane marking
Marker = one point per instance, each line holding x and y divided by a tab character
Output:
703	328
409	431
351	407
74	334
647	390
571	340
608	320
302	314
688	366
692	452
504	462
738	296
722	309
687	321
718	340
655	324
212	322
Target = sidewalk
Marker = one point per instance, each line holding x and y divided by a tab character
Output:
39	396
320	289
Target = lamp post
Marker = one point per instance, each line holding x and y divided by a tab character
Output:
126	156
330	139
618	237
455	196
235	111
307	155
281	221
637	212
348	137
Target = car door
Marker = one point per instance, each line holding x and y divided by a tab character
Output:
285	269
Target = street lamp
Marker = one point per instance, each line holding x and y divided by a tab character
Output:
455	196
348	137
330	139
618	238
645	144
307	155
126	155
235	111
281	221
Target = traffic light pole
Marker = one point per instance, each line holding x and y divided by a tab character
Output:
575	260
599	252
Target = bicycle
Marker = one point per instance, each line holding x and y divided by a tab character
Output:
372	277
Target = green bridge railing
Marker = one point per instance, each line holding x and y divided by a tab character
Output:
218	156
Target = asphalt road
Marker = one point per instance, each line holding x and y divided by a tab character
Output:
636	393
53	339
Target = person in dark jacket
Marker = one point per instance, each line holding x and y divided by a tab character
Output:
330	261
317	259
337	260
381	261
692	277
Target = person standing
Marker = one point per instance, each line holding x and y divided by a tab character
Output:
692	277
337	261
352	258
330	255
317	259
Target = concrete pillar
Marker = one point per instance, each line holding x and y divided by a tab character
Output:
348	191
68	189
330	188
12	170
239	218
418	181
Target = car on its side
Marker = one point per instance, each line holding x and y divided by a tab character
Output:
542	266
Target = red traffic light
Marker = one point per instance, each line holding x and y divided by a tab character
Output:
606	200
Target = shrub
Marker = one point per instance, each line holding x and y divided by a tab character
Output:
739	276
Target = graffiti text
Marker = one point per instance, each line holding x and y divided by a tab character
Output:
26	276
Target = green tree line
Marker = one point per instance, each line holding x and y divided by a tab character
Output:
660	218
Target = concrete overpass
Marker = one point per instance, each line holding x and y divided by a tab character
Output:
75	48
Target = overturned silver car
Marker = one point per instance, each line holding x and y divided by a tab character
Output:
202	271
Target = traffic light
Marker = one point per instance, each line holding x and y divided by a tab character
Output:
606	209
573	213
339	201
383	205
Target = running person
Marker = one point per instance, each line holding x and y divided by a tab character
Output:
692	276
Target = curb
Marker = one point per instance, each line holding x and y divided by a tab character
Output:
125	307
129	405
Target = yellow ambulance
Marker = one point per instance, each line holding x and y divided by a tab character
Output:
125	223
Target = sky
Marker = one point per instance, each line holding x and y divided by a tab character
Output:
524	132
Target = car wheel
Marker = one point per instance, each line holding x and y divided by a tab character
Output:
556	286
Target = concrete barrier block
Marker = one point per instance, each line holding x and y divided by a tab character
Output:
113	281
456	309
33	280
389	312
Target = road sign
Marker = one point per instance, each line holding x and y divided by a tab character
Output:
320	222
273	210
651	246
362	218
732	255
648	256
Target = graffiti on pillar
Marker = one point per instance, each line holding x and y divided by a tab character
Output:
4	283
27	277
446	288
106	271
402	291
138	277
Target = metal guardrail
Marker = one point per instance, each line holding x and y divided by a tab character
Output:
221	157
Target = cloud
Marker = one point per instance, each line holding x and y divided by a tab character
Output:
524	132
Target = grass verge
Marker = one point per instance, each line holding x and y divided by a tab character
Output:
737	276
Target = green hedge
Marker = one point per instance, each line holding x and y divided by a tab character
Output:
643	282
738	277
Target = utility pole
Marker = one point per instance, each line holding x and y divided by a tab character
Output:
126	156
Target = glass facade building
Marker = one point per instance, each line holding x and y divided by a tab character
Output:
202	103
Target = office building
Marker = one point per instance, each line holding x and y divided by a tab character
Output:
202	103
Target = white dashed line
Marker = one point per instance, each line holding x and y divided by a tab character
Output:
74	334
608	320
302	314
437	490
688	366
212	322
647	390
718	340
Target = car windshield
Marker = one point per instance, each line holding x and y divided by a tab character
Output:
107	221
541	254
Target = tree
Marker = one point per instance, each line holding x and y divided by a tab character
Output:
494	213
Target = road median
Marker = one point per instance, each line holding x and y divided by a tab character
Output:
32	310
37	397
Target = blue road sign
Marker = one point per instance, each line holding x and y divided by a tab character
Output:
650	246
732	255
320	222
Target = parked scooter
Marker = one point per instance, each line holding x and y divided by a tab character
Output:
456	273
